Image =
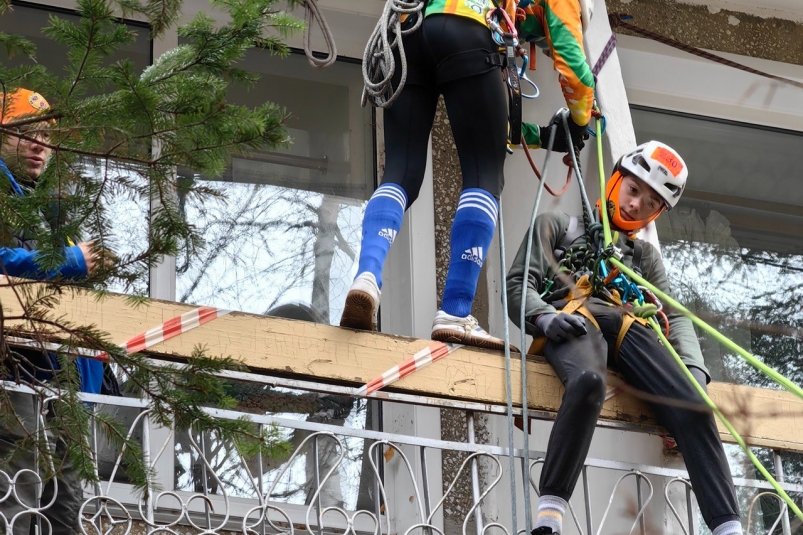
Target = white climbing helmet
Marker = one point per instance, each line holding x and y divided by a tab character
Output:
660	166
586	12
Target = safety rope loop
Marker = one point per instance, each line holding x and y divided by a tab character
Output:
603	211
534	167
399	18
313	14
522	322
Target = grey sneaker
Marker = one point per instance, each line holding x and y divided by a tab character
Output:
362	303
466	331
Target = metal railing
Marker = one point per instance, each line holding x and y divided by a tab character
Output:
337	479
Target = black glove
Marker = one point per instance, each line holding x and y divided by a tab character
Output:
559	327
578	133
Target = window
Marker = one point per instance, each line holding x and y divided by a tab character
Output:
284	240
734	256
288	228
732	245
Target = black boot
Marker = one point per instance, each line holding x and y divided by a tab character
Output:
543	530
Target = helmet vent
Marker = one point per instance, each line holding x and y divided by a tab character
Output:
640	161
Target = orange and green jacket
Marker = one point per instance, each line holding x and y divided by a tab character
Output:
555	26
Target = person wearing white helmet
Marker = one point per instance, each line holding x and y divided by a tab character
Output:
585	323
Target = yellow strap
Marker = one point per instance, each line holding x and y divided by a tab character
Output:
628	319
577	299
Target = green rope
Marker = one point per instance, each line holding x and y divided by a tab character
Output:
606	226
732	430
721	338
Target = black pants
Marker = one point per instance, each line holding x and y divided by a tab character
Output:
580	363
63	512
448	55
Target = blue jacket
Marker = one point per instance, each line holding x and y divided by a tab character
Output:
19	259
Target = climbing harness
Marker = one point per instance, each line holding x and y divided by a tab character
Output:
398	19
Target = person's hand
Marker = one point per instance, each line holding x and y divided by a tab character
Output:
96	257
578	134
559	326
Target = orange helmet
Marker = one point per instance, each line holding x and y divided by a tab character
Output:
660	167
20	103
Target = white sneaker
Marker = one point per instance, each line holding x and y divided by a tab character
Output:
466	331
362	303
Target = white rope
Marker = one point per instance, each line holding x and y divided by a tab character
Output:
313	14
378	64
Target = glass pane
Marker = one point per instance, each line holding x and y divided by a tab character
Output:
732	245
261	250
126	210
287	227
28	21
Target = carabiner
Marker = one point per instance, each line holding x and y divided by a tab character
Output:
536	92
510	24
523	78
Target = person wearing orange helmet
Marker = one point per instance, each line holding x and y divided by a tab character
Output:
585	323
25	154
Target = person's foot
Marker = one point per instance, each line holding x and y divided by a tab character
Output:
543	530
362	303
466	331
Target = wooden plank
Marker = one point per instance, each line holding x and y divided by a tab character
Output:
321	352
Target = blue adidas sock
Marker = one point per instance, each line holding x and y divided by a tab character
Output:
381	223
472	232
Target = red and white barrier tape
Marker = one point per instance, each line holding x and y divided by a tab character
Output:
428	355
169	329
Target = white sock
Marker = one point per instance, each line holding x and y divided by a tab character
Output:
550	513
733	527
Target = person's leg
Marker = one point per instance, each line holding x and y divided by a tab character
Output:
407	123
69	494
649	367
17	424
580	363
474	94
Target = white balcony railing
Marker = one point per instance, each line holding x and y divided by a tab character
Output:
337	478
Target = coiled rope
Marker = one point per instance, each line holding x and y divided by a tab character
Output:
378	63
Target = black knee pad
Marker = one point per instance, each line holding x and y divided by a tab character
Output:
588	387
